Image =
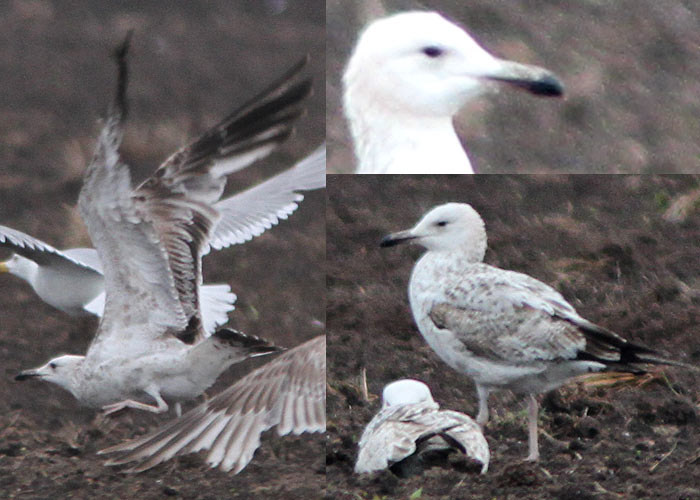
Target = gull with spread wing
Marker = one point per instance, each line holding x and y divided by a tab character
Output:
71	280
504	329
288	393
150	342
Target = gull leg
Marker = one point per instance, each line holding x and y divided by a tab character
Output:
534	454
483	415
178	409
161	406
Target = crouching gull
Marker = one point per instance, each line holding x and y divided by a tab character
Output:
150	342
411	422
505	330
408	76
71	280
288	392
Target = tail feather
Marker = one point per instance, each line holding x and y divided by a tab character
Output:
618	354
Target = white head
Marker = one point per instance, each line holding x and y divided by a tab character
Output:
449	227
405	391
20	267
60	371
419	62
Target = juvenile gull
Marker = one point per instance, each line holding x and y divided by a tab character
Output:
71	280
288	392
409	74
411	422
150	342
503	329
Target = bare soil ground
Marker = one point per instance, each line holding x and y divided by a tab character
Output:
602	242
630	68
191	63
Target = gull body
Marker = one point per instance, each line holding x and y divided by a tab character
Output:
150	343
288	393
409	74
411	422
503	329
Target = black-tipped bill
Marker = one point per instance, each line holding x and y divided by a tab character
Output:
26	375
546	86
394	239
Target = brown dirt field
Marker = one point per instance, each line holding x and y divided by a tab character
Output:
191	63
602	242
631	72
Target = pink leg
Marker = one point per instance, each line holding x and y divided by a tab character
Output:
161	407
483	415
534	454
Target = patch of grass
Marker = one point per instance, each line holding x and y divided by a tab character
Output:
662	200
416	494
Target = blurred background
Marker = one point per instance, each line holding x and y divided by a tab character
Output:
191	63
631	70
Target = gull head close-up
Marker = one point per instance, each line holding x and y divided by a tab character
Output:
409	74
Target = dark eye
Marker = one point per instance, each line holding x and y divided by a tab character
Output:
433	52
52	366
442	223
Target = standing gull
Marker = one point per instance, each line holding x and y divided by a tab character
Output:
411	422
503	329
409	74
288	392
71	280
150	342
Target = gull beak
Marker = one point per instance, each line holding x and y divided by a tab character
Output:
27	374
394	239
4	268
533	79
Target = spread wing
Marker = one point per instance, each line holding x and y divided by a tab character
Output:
150	239
391	435
462	432
44	254
249	213
288	392
508	316
395	432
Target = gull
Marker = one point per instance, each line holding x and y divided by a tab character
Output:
409	74
411	422
503	329
150	342
288	392
71	280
